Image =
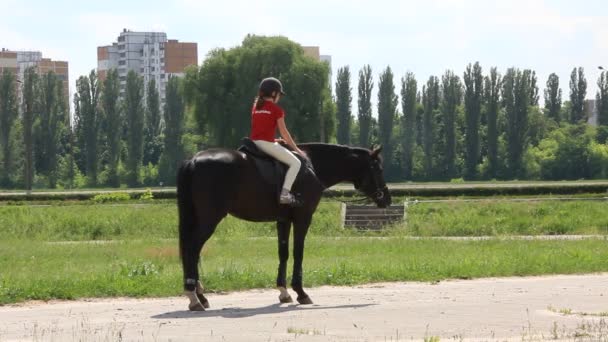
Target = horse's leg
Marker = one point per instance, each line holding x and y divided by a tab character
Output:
199	284
283	229
192	285
190	256
299	235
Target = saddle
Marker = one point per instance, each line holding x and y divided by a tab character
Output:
272	170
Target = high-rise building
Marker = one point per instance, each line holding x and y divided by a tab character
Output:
315	53
591	111
150	54
19	61
312	52
8	61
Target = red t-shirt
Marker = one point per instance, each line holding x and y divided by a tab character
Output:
264	121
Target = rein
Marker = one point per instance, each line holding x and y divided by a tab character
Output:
378	195
360	200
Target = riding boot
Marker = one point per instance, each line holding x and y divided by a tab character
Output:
287	198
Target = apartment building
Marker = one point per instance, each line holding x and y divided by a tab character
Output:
19	61
150	54
314	52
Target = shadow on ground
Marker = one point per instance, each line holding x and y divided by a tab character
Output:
237	312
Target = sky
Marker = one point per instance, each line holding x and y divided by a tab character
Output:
426	37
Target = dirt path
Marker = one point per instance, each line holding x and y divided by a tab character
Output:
485	309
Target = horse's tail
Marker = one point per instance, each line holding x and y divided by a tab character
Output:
184	204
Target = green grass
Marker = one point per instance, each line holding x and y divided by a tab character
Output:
142	258
39	270
158	219
127	221
507	218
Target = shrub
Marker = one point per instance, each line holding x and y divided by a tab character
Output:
111	197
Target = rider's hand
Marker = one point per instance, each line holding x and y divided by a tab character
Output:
280	141
302	153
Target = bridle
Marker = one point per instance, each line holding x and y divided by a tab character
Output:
378	194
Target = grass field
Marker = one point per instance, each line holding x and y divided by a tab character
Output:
46	252
40	270
133	220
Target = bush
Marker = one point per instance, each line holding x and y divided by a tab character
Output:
70	176
40	182
598	160
111	197
149	175
565	153
147	195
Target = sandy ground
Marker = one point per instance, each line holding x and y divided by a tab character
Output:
486	310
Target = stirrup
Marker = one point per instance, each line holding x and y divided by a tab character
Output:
290	200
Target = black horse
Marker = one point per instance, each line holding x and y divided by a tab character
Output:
218	182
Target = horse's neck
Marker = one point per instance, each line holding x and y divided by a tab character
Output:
333	164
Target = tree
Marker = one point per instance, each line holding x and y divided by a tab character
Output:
152	140
430	100
30	87
516	98
492	100
553	98
216	90
53	119
328	115
173	152
534	97
451	90
152	108
343	105
88	118
601	99
134	114
578	92
366	86
387	108
309	121
68	168
409	103
8	115
114	120
473	81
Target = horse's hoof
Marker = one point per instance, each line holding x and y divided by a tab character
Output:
203	300
196	307
306	300
287	299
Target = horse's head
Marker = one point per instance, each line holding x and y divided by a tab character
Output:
370	179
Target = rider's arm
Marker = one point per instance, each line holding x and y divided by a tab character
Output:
285	135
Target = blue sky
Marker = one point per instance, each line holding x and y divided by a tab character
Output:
425	37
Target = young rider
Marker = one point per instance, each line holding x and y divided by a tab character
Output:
266	116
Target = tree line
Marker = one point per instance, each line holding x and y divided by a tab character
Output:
113	140
474	126
477	126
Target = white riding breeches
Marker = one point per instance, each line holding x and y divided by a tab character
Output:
283	155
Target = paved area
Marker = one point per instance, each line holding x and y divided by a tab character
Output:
530	309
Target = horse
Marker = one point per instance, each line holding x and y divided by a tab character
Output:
217	182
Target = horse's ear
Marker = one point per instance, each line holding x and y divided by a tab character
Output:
376	151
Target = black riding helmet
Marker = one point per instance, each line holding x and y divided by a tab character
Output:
270	85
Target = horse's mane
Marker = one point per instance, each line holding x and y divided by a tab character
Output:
333	148
337	149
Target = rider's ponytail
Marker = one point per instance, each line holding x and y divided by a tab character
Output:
259	101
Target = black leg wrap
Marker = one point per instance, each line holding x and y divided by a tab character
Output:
190	284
